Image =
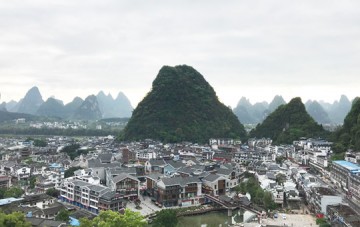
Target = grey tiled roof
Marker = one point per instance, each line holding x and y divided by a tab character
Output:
97	188
175	164
155	176
96	163
224	171
211	177
108	195
182	181
80	183
123	176
105	157
45	222
157	162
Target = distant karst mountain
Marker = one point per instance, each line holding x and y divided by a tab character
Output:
254	114
3	106
111	108
250	114
89	109
123	105
52	108
31	102
275	103
317	112
339	109
11	105
287	123
243	111
14	106
73	106
182	106
348	136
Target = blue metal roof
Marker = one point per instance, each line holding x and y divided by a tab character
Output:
74	221
9	200
348	165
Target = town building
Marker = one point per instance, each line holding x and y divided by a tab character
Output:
176	191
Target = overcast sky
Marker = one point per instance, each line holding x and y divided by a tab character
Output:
256	49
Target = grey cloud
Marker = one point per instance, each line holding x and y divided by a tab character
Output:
121	45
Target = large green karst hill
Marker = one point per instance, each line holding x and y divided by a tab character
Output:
182	106
287	123
348	136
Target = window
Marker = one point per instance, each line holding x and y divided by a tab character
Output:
215	186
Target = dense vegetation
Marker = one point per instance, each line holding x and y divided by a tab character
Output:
15	219
348	136
63	215
258	195
53	192
166	218
73	151
288	123
70	172
111	218
182	106
15	192
9	116
37	142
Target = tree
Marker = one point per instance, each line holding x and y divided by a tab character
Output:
53	192
32	181
166	218
13	192
268	201
2	192
15	219
238	188
70	172
280	178
111	218
259	196
63	215
40	143
322	222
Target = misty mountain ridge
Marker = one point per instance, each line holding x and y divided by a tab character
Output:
339	110
31	102
92	108
89	109
322	112
254	114
110	107
317	112
287	123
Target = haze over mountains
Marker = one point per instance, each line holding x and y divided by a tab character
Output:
287	123
322	112
92	108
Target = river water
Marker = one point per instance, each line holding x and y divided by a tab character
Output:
216	219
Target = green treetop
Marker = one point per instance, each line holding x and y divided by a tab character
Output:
111	218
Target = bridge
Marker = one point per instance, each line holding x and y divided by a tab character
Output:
231	206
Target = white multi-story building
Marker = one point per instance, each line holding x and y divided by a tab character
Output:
320	198
82	194
146	154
